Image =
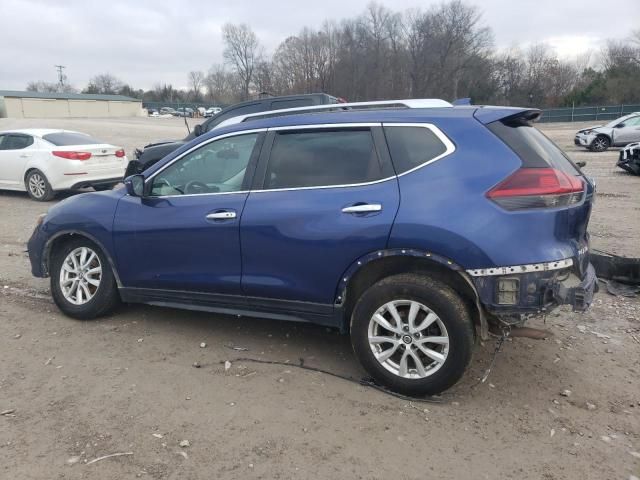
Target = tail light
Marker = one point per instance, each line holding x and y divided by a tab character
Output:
120	153
72	155
537	188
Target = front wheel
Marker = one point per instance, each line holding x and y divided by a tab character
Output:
38	187
82	282
412	334
600	144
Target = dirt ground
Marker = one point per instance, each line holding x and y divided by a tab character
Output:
77	391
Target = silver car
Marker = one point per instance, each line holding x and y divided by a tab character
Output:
616	133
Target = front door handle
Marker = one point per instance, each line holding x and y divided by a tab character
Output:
363	208
222	215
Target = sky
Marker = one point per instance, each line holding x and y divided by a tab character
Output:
147	42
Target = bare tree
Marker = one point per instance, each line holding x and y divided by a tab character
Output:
242	51
104	83
196	81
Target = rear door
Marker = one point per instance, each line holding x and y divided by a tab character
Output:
325	197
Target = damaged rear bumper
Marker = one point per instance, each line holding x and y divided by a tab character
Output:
515	293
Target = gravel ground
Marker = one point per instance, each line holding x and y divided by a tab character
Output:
77	391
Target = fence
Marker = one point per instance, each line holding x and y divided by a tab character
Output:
587	114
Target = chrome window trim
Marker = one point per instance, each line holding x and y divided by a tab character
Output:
532	267
450	148
195	147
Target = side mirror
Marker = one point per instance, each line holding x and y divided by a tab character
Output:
135	185
197	130
620	125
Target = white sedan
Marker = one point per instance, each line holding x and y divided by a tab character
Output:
44	161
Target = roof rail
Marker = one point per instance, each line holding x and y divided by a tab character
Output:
331	107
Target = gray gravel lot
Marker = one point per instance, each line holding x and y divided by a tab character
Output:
77	391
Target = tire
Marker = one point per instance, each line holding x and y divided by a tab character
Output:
38	187
600	144
452	322
93	300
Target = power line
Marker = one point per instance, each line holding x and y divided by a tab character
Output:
61	75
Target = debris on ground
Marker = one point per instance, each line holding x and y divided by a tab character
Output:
120	454
8	412
196	365
157	435
73	460
566	393
184	443
236	348
227	365
203	345
183	454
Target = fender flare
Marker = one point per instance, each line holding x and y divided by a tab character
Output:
46	251
361	262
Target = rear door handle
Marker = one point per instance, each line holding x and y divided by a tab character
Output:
363	208
222	215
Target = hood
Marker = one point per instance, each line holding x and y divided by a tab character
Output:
589	128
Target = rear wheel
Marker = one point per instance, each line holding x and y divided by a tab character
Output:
82	282
412	334
38	187
600	144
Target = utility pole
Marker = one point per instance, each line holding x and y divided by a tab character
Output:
61	75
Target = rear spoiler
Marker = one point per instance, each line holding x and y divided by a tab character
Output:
487	115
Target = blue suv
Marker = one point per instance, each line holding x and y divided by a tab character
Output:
414	230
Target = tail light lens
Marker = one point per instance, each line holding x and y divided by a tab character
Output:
120	153
72	155
537	188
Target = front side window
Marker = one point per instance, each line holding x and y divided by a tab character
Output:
16	142
216	167
322	158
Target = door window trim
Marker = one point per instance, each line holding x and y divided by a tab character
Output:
449	145
449	149
254	154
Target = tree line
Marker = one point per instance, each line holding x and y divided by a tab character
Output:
445	51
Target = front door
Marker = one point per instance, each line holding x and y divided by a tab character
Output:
630	132
329	196
184	234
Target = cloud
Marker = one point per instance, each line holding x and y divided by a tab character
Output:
147	42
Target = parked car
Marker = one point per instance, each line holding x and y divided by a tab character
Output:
152	112
616	133
210	112
167	110
153	152
629	158
183	112
45	161
299	218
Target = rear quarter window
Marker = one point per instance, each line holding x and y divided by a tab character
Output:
410	147
63	139
532	146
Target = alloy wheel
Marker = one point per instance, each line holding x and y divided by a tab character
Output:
408	339
600	144
80	275
37	185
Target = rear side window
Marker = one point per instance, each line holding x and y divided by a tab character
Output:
410	147
63	139
322	158
532	146
16	142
